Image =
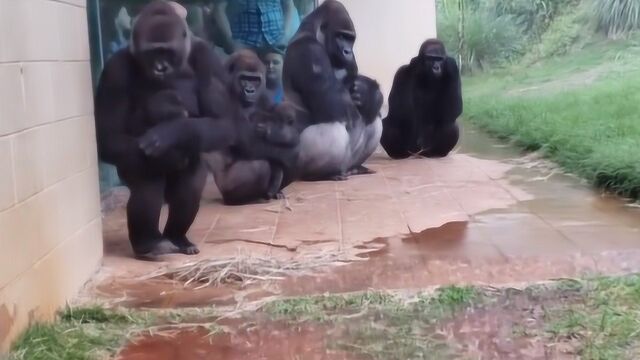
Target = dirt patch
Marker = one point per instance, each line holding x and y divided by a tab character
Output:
270	341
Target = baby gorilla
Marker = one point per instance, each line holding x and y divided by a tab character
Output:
367	96
254	168
163	106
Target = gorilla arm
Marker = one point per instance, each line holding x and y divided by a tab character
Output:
313	78
112	108
214	129
398	96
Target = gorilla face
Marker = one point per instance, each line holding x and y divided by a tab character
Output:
433	56
248	77
249	86
340	48
161	42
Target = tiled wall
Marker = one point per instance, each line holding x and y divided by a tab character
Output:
50	227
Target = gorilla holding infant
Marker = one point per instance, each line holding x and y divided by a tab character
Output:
157	150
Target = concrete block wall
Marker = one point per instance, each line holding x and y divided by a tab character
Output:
50	224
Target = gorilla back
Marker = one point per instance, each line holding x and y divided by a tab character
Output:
319	71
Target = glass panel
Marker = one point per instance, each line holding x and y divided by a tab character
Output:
263	25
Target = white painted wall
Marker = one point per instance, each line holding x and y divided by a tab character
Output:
389	34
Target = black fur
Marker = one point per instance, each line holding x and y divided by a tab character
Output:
319	71
267	137
424	104
157	155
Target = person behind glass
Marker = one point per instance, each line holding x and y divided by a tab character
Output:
122	26
273	59
254	24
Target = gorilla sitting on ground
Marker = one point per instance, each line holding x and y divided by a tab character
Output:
424	104
319	73
157	153
256	167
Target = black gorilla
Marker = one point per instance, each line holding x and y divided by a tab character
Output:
319	71
159	158
424	104
254	168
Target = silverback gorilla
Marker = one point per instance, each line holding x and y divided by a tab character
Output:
159	159
424	104
318	77
253	169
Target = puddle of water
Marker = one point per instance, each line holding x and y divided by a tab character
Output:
559	227
269	341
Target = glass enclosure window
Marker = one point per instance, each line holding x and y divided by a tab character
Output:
265	26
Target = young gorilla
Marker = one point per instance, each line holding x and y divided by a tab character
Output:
319	71
254	168
424	104
159	158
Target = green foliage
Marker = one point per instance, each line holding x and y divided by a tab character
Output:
591	130
616	18
490	40
559	38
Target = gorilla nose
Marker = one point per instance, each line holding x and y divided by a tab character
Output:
160	67
249	91
346	52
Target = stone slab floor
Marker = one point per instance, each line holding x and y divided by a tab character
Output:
487	214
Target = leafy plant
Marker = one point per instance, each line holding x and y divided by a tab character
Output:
616	18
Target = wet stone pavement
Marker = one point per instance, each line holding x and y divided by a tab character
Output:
485	215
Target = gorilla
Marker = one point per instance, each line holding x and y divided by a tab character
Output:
156	151
319	75
254	168
424	104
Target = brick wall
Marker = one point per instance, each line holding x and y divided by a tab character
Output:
50	227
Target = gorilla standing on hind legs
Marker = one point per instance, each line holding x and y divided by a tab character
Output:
424	104
319	75
159	159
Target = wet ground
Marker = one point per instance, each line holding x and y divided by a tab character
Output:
486	215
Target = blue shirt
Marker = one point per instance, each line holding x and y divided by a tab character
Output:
257	23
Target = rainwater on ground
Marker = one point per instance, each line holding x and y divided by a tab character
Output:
486	215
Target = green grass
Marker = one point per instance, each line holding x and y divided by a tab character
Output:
580	111
94	333
593	319
79	334
380	325
606	325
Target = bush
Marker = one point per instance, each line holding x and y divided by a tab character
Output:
490	39
616	18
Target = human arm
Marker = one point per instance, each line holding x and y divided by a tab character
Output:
288	11
220	17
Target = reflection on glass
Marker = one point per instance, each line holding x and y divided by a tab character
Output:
265	26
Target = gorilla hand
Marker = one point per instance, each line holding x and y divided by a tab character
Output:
356	94
160	138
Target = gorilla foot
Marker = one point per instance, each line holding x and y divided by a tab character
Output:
340	177
361	170
161	247
275	196
185	246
